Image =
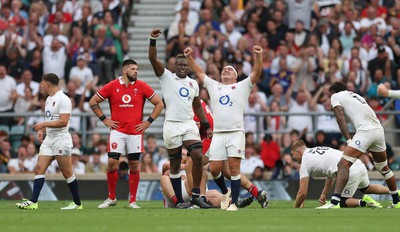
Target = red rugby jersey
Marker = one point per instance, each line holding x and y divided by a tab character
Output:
126	103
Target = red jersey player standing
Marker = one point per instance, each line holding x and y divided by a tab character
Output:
245	183
126	96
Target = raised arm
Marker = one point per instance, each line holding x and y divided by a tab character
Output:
157	65
258	64
341	120
385	92
194	66
314	100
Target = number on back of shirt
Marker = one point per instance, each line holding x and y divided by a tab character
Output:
320	150
358	97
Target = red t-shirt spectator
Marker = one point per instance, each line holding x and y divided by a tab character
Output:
270	153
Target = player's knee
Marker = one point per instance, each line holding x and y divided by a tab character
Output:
195	149
384	169
175	156
114	155
133	165
134	156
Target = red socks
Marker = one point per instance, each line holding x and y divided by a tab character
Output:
112	179
134	177
253	190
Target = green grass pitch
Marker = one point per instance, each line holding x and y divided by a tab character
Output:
280	216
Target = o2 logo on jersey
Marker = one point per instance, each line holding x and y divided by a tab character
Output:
184	92
126	98
48	114
225	100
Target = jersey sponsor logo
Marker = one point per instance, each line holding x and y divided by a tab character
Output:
357	142
126	98
114	145
184	92
48	114
224	100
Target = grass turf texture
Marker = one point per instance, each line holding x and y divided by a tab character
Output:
280	216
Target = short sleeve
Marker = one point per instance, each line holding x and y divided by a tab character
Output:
148	91
104	92
335	100
66	106
304	171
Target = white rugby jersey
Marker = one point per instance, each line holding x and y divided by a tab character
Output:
322	162
178	94
228	103
57	104
356	110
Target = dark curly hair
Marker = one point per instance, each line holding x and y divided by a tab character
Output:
337	87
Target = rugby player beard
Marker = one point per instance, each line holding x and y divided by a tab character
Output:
131	78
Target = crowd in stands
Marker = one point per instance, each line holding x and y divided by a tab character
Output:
307	44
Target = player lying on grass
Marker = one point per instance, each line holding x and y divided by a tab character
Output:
213	197
322	162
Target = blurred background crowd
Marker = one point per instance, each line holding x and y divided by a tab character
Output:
307	44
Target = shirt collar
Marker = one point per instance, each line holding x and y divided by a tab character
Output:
122	82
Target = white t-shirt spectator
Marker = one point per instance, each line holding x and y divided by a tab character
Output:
29	164
54	61
33	85
250	164
85	75
47	39
7	86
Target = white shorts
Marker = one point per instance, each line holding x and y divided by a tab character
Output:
175	133
227	144
124	143
358	179
56	145
168	203
373	140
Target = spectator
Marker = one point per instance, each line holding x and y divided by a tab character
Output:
192	7
147	165
253	123
84	21
382	61
291	61
26	81
35	65
251	161
14	63
187	24
276	124
95	165
54	59
77	166
207	20
277	94
301	104
24	104
104	49
7	95
54	33
284	77
82	73
270	152
300	10
23	163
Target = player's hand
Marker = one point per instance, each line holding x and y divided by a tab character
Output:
40	136
257	49
155	33
39	126
142	126
209	133
382	90
322	200
110	123
188	52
